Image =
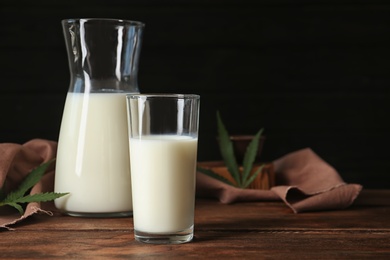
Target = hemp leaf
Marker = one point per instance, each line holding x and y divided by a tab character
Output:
19	196
243	178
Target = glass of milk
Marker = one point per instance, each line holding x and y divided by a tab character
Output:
93	155
163	138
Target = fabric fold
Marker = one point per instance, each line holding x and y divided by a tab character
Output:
304	181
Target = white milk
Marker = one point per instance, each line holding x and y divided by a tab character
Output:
93	155
163	177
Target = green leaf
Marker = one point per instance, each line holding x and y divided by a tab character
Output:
30	180
16	197
227	152
244	178
253	177
40	197
212	174
250	156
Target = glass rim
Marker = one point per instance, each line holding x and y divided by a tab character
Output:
112	20
162	95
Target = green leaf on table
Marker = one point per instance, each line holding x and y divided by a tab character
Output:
242	178
18	196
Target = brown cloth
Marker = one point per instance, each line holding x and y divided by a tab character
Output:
304	182
16	161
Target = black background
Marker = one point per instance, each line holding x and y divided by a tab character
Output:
312	73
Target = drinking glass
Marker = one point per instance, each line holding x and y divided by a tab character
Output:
163	139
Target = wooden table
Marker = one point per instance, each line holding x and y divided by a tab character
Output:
255	230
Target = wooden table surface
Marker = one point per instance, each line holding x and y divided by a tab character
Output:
253	230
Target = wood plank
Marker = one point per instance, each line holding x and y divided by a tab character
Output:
212	244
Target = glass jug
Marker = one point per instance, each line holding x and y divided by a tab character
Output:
93	162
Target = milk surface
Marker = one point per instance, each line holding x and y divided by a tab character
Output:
163	177
93	155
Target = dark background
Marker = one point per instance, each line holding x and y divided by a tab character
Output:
312	73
